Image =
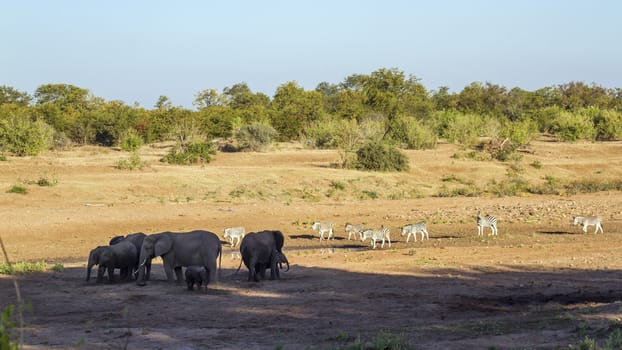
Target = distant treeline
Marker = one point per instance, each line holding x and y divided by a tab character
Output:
386	105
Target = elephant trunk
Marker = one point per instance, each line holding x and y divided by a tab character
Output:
285	261
141	272
88	268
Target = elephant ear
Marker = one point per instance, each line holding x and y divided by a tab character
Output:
162	245
279	240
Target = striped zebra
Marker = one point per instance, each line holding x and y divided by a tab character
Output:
383	233
322	227
412	229
588	221
231	233
354	230
486	221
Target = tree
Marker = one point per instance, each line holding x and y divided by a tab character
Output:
11	95
391	93
67	97
208	98
294	108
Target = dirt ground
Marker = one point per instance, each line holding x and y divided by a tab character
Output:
540	284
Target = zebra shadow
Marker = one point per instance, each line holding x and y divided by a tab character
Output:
557	232
302	236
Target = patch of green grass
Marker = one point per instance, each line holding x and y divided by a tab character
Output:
18	189
536	164
337	185
382	341
28	267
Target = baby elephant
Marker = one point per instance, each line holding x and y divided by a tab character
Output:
198	275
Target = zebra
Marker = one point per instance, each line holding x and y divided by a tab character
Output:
322	227
354	230
232	233
589	221
383	233
412	229
486	221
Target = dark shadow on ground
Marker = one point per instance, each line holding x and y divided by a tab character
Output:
320	308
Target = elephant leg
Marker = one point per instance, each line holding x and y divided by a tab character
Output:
101	270
148	270
178	274
169	273
111	274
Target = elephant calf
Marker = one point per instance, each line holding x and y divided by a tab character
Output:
196	275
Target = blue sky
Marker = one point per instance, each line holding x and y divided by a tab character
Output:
138	50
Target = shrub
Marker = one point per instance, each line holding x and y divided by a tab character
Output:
130	141
380	156
572	127
512	186
256	136
607	123
133	162
413	134
457	127
6	325
23	137
519	132
195	152
322	134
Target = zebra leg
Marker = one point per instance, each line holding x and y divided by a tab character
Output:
389	239
584	229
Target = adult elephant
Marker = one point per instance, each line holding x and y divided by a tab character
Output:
262	250
199	248
122	256
137	240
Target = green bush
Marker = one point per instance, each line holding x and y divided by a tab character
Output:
380	156
195	152
519	132
607	123
23	137
413	134
256	136
571	127
133	162
322	134
6	325
458	127
130	141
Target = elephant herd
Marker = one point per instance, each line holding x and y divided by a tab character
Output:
197	251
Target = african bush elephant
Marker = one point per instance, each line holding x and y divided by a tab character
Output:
137	240
260	251
196	275
200	248
122	255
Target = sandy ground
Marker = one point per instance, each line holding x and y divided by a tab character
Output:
540	284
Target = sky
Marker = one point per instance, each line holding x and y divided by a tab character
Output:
136	51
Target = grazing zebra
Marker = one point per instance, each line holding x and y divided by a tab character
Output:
375	235
412	229
589	221
232	233
322	227
354	230
486	221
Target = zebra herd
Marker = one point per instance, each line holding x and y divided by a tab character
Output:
326	231
383	233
